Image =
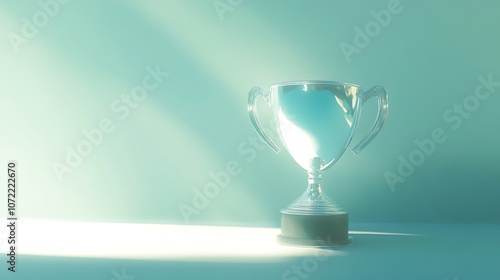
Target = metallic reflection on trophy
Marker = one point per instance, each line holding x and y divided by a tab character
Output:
316	121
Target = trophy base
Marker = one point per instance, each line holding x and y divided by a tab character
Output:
315	230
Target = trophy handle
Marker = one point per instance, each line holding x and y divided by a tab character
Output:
383	108
252	112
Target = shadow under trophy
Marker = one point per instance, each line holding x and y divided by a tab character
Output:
316	121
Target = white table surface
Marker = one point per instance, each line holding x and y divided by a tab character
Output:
77	250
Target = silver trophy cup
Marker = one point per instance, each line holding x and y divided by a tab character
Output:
316	121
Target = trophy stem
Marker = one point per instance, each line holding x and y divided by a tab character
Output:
314	201
314	190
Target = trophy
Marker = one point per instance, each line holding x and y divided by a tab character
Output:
316	121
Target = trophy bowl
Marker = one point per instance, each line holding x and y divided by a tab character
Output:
316	121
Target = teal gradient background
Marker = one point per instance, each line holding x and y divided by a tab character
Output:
65	79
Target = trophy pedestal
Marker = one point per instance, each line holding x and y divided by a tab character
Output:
315	230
